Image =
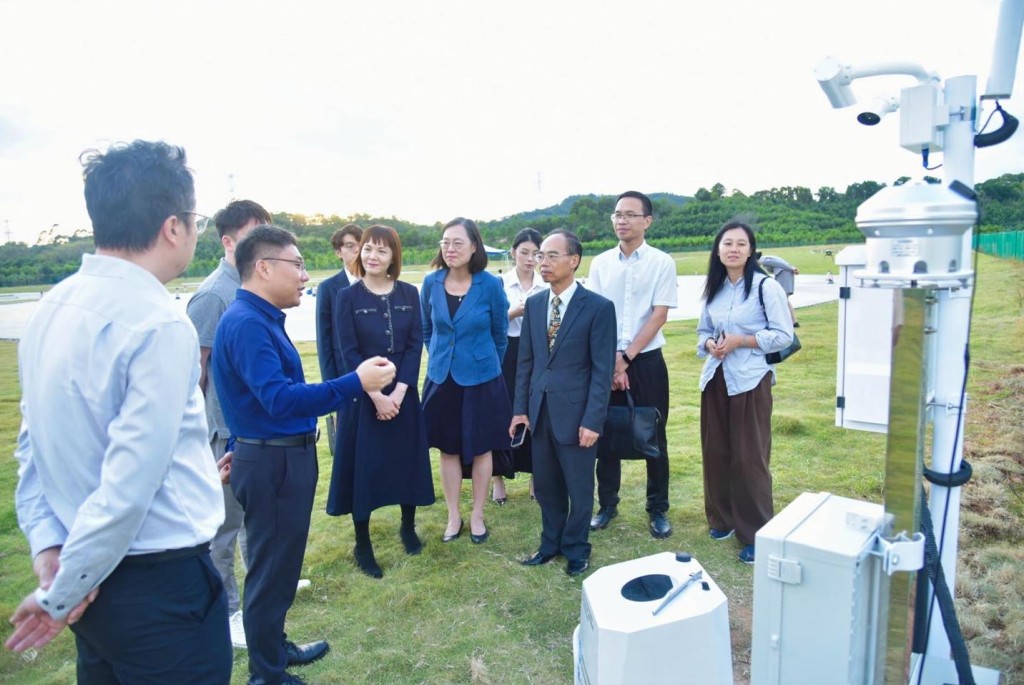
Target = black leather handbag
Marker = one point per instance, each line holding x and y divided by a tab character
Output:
630	432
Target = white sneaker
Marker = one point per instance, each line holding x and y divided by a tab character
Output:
303	584
237	630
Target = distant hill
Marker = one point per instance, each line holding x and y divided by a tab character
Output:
564	207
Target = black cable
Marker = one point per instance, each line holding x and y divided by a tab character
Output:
933	566
1001	134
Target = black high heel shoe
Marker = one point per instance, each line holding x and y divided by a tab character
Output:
456	534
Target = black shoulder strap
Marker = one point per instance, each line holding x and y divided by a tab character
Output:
760	296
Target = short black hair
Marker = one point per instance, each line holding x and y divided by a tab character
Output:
132	189
252	247
572	244
237	214
338	237
644	200
478	262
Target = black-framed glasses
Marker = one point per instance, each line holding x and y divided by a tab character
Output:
299	264
628	216
202	221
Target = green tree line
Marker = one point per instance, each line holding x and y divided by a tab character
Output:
785	216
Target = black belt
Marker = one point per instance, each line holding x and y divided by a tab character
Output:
656	352
303	440
167	555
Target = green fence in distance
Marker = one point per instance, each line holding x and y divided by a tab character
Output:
1009	245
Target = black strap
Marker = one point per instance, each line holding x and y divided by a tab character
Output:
933	569
760	296
950	480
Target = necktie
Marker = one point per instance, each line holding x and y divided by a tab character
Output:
556	321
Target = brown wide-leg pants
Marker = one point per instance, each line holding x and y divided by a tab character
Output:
736	445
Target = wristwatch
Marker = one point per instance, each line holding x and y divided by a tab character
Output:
626	358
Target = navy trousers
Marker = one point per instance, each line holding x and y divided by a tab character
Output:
156	623
564	485
275	486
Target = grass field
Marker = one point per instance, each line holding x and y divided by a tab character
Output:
462	613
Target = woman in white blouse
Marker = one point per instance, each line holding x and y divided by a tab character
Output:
520	283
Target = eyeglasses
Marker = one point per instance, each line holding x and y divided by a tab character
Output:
551	256
297	263
454	244
628	216
202	221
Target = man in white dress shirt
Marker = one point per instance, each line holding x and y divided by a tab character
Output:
117	493
641	281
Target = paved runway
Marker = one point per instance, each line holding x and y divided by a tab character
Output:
300	323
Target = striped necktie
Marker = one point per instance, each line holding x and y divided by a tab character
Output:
556	321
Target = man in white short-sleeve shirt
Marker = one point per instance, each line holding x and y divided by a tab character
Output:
641	281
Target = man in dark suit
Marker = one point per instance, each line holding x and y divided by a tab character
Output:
345	242
566	359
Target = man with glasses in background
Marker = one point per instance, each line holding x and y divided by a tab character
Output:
345	242
205	308
641	281
272	414
117	493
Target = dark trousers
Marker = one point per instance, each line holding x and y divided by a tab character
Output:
563	481
648	383
275	486
156	623
736	446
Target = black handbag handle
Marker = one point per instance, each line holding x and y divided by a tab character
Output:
631	405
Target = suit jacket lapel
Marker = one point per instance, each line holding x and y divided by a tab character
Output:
471	297
539	325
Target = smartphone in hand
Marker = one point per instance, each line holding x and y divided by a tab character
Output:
519	436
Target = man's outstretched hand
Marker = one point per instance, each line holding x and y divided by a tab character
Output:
375	373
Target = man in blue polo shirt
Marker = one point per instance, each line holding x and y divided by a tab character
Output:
272	412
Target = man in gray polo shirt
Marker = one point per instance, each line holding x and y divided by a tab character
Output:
205	309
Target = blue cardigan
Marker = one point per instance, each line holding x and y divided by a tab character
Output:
471	346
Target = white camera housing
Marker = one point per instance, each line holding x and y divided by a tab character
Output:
834	78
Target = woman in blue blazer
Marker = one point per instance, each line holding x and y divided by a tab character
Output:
465	404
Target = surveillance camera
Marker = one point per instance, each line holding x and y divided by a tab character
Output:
876	109
834	79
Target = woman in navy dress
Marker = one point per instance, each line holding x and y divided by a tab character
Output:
465	323
381	455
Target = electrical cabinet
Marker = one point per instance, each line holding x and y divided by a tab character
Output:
817	589
864	355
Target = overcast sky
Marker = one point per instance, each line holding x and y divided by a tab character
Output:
429	110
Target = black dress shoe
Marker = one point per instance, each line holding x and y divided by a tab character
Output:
574	567
538	559
300	655
479	539
660	527
603	517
